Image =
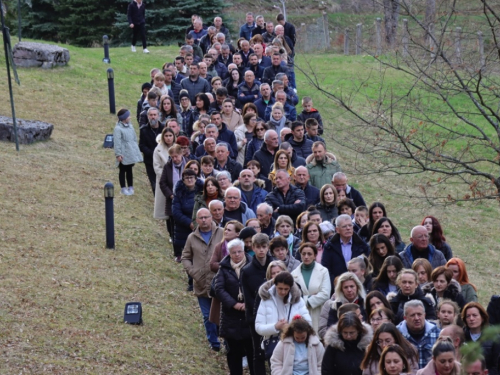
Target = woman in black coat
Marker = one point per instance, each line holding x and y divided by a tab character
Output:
183	204
328	203
346	344
233	325
444	287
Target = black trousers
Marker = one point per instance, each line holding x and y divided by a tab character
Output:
125	173
151	176
259	359
139	30
237	349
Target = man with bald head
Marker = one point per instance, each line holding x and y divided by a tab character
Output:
478	367
457	336
421	248
286	199
302	181
264	61
196	256
339	180
249	89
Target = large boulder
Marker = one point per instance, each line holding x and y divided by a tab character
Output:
29	54
28	131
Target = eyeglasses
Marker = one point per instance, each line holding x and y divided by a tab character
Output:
189	178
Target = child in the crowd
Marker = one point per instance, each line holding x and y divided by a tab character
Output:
447	313
145	89
310	112
312	128
159	82
299	350
360	217
126	150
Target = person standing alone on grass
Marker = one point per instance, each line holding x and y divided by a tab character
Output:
136	15
126	150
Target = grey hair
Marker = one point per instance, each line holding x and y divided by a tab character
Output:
224	173
211	126
277	82
150	109
339	174
340	218
280	92
221	35
414	303
232	188
209	138
279	76
268	49
269	208
212	28
263	85
258	17
236	242
417	227
214	202
285	146
348	276
326	226
222	145
267	134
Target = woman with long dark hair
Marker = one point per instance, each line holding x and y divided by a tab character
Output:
375	212
386	279
436	236
168	110
327	205
211	190
381	248
385	226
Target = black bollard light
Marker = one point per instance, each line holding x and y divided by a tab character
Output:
109	194
111	90
105	43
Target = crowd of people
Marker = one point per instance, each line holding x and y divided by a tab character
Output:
291	268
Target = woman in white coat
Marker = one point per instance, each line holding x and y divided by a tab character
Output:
160	157
314	281
279	304
299	351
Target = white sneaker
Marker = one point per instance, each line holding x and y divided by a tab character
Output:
124	191
245	362
133	49
145	50
130	190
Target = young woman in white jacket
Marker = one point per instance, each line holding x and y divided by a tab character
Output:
279	304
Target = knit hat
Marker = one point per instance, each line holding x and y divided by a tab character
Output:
247	232
183	141
146	85
183	94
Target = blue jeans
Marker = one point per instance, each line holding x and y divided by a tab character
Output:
210	328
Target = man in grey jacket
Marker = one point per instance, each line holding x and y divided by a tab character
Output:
421	248
194	84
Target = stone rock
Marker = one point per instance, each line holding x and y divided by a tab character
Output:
28	131
30	54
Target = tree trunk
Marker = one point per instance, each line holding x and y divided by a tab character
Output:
430	18
391	15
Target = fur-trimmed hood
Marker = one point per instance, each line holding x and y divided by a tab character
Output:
453	288
260	183
268	291
330	158
333	338
398	297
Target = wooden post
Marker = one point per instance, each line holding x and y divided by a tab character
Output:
359	41
378	27
326	30
432	45
458	50
346	42
405	37
481	48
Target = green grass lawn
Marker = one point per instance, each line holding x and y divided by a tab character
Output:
63	293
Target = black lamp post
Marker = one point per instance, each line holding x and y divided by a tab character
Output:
109	193
105	42
111	90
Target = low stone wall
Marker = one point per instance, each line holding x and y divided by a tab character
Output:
28	131
29	54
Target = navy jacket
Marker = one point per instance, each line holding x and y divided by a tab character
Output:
147	141
247	94
257	70
227	136
253	275
253	146
356	197
233	167
303	116
258	197
286	203
136	15
333	259
265	158
312	195
182	210
290	112
261	106
271	71
303	149
265	62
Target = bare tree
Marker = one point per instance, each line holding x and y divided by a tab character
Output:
391	15
429	116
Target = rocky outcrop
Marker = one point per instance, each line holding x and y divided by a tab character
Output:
28	131
29	54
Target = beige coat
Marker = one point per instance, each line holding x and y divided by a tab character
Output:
283	356
160	158
239	133
232	121
317	293
430	369
196	259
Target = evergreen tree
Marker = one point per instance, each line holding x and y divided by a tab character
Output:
167	20
40	21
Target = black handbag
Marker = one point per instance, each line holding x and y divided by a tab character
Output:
271	342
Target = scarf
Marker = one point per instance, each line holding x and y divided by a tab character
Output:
223	250
237	268
210	198
279	125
